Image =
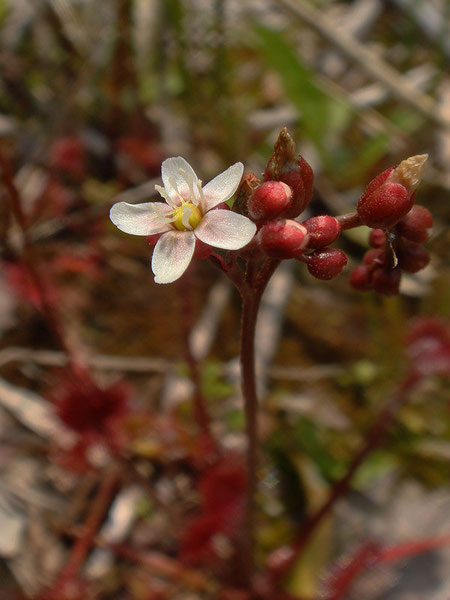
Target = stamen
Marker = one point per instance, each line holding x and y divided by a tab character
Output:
201	194
159	215
173	183
187	212
163	193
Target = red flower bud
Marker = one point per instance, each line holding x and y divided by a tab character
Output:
301	180
377	238
385	206
287	166
386	281
322	230
326	263
390	196
377	182
375	255
360	278
412	257
283	238
414	226
269	200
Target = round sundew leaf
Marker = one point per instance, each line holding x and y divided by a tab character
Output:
221	188
140	219
172	255
225	229
176	173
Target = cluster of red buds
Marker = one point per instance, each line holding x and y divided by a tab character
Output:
387	206
398	228
275	205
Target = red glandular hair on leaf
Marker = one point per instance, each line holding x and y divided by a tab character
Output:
87	409
222	490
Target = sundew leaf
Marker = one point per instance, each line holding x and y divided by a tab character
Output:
322	114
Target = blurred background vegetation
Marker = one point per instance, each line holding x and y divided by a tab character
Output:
94	95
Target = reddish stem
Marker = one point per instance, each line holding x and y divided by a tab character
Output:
90	527
349	220
248	383
251	293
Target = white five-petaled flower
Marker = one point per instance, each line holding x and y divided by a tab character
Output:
189	213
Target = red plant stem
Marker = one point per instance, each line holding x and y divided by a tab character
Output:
48	309
401	551
164	566
247	358
251	293
186	320
370	554
90	527
373	439
349	220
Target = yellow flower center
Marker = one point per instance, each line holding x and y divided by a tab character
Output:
181	213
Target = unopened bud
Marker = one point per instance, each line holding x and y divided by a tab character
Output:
390	196
386	281
409	172
415	225
360	278
412	257
326	263
384	207
283	238
287	166
374	256
323	230
269	200
377	238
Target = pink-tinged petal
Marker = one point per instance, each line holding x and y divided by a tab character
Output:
221	188
141	219
177	174
172	255
225	229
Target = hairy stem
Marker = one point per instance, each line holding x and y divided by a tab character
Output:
349	220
